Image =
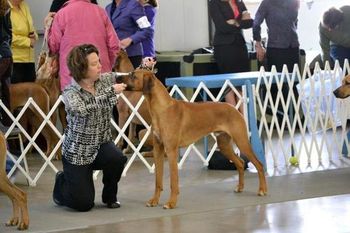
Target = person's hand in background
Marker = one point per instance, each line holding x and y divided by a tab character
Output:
32	38
125	42
48	19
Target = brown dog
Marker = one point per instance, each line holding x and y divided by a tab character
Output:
19	95
178	124
123	64
45	92
18	197
344	90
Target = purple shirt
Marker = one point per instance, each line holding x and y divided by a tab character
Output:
127	19
281	18
148	43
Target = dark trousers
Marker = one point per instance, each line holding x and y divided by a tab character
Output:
340	53
5	78
231	58
278	57
136	61
75	188
23	72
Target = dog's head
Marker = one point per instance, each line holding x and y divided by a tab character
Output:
344	90
138	80
123	63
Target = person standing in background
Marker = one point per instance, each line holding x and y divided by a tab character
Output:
5	58
24	38
80	21
132	26
57	4
149	53
281	19
230	50
335	35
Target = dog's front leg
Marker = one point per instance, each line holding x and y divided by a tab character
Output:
174	179
158	155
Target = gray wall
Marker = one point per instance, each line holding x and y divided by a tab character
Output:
180	25
183	24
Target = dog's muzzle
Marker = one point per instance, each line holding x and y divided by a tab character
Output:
119	76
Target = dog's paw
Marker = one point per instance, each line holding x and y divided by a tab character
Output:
22	226
152	203
12	222
238	189
169	205
262	193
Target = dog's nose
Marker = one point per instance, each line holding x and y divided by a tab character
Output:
335	92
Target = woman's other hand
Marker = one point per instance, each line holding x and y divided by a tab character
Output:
119	87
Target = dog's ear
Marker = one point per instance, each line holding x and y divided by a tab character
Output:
148	82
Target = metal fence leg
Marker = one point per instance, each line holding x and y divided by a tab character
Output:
345	151
254	138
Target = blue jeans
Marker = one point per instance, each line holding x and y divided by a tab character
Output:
339	53
9	164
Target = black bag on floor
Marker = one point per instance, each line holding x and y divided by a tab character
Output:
219	162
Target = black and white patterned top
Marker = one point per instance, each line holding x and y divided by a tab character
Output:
88	118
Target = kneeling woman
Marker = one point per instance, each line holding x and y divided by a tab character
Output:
88	144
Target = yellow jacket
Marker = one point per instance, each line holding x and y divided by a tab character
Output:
22	25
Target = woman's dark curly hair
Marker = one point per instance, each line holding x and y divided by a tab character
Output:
77	61
153	3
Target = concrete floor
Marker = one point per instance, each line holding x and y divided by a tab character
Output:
298	201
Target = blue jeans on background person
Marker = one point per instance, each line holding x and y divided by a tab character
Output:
9	164
339	53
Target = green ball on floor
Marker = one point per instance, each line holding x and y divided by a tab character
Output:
293	161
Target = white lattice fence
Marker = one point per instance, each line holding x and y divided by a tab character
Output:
314	123
308	126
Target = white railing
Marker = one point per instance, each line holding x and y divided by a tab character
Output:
314	123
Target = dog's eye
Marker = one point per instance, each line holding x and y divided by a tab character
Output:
132	75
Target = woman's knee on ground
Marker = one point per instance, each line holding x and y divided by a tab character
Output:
81	204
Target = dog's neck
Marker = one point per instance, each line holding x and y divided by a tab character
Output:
151	96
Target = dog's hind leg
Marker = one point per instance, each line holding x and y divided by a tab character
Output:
158	150
148	143
245	148
225	145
